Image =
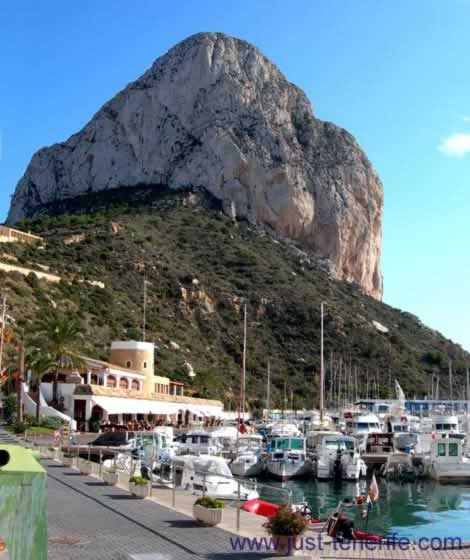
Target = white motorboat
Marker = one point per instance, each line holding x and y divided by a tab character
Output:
436	426
360	424
198	442
336	456
248	460
446	461
287	458
224	439
404	431
149	449
210	475
399	468
285	429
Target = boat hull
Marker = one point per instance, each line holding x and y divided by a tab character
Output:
239	468
280	470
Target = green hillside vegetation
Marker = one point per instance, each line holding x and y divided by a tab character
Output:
201	267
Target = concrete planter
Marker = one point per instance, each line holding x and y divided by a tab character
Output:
86	468
51	453
286	545
208	516
110	478
67	461
139	490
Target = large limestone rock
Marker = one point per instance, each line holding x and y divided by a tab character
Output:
215	113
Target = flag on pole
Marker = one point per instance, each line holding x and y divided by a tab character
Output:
373	494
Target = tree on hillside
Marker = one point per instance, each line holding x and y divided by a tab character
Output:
40	363
60	337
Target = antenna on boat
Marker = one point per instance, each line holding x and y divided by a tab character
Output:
450	385
268	391
468	389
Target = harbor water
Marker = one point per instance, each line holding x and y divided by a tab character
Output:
412	510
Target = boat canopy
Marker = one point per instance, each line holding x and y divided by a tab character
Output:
207	464
289	443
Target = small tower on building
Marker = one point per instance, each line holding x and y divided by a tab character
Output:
138	356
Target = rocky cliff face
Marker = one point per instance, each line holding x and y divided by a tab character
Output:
215	113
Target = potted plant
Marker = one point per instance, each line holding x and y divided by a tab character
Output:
110	476
139	486
86	467
285	527
208	510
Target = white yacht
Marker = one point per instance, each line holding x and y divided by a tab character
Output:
284	429
197	442
434	427
211	475
336	456
224	439
248	460
287	458
360	424
404	430
146	450
446	461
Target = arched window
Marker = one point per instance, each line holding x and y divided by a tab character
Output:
145	365
123	383
111	382
128	364
135	384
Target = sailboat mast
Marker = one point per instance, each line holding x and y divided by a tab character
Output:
450	385
243	401
468	389
322	367
144	322
268	391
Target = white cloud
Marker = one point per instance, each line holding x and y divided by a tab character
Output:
457	144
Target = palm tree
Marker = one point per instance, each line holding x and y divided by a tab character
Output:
60	336
40	363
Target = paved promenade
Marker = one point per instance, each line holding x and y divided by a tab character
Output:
89	520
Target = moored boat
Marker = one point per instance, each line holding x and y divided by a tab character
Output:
446	461
248	460
287	459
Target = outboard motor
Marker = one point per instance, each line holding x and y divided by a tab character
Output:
337	466
339	526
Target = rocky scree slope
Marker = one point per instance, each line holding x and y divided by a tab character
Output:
201	267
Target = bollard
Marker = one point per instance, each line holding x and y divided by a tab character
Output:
204	485
23	495
238	506
173	490
101	464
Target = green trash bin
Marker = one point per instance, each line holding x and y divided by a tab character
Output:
23	505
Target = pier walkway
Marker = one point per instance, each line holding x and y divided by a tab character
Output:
89	520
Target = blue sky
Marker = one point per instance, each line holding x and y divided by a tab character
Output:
394	73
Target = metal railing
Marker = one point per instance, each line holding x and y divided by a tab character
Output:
124	463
